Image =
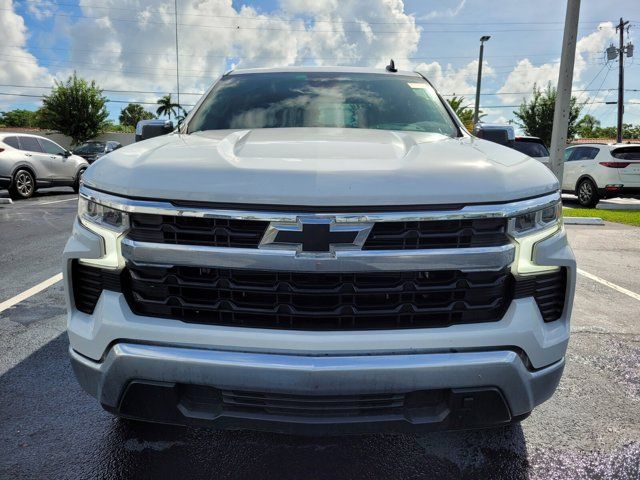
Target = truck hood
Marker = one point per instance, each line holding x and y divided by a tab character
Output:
320	167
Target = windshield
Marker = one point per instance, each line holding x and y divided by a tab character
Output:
532	149
341	100
92	147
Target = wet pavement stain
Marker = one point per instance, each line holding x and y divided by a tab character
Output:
49	428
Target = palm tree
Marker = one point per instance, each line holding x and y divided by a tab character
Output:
464	112
167	107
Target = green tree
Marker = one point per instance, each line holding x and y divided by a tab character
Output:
629	132
587	125
133	113
18	118
464	112
536	115
75	108
167	107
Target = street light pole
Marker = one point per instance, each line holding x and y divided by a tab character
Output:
175	7
476	112
562	110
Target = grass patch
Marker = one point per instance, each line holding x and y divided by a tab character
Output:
629	217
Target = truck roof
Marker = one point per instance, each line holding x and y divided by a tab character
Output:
323	70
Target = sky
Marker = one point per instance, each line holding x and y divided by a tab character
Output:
129	47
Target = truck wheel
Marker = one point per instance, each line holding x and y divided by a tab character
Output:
587	194
23	185
76	184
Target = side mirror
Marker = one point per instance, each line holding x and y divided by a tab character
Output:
147	129
67	154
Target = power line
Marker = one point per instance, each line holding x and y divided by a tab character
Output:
598	91
239	27
296	19
156	92
108	100
274	57
191	105
147	70
161	92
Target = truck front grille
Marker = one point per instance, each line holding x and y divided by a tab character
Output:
211	232
318	301
482	232
216	232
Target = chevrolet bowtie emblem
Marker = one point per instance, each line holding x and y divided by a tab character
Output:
316	235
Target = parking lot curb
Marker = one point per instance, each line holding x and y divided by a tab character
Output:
583	221
5	201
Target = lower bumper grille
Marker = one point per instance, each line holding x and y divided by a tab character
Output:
318	301
313	414
549	291
88	283
313	406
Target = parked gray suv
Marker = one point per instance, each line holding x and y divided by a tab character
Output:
29	162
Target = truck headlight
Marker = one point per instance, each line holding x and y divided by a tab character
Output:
100	215
531	222
530	228
110	224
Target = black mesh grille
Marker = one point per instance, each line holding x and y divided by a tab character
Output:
318	301
384	235
88	283
213	232
549	291
483	232
313	405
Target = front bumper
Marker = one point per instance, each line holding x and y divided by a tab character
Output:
174	372
464	389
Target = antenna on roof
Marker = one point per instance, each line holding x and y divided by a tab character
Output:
391	67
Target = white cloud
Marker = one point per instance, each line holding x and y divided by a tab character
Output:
139	53
525	74
17	65
41	8
448	12
449	80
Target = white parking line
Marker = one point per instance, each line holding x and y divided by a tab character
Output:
620	289
30	292
57	201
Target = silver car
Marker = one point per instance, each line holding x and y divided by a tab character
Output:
29	162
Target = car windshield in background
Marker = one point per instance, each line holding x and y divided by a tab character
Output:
93	147
339	100
533	149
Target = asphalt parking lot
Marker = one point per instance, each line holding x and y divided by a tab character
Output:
49	428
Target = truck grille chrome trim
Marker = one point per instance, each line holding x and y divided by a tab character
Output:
498	210
463	259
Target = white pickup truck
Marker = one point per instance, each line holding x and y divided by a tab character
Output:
319	251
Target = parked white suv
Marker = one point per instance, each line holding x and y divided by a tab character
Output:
319	250
594	171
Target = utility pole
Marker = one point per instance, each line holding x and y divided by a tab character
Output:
476	112
562	109
621	51
175	8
